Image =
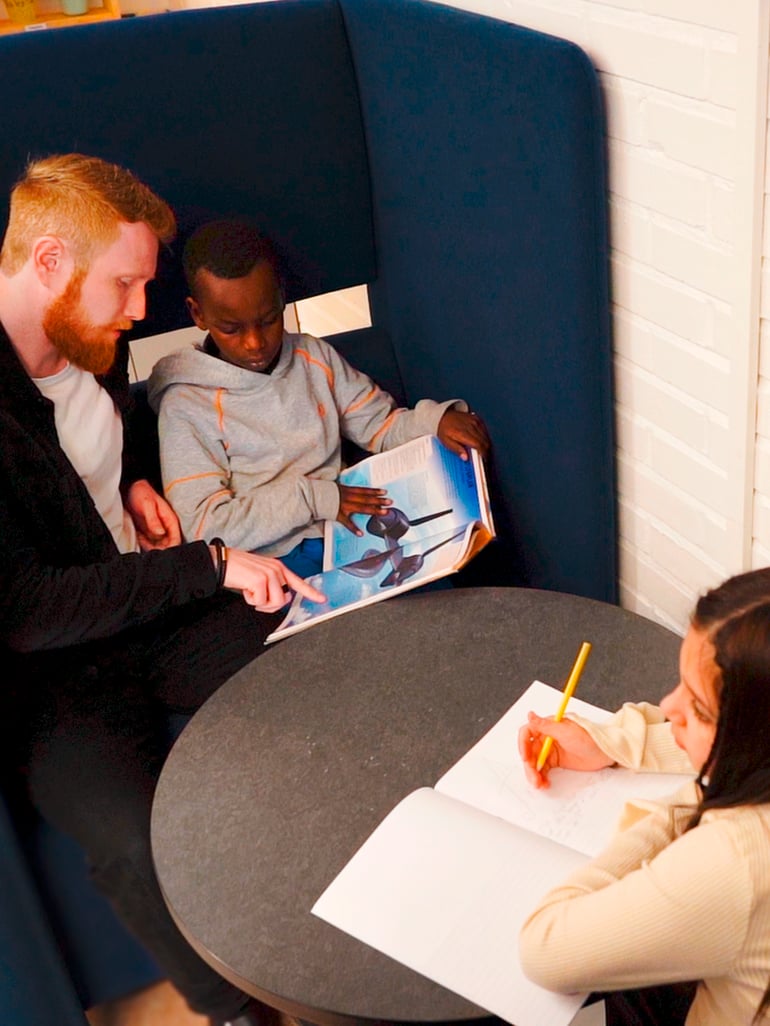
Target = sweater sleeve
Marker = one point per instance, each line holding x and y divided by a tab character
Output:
657	906
62	581
49	607
197	483
639	737
369	416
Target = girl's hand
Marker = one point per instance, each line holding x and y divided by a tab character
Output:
572	748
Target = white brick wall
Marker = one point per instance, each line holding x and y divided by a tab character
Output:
761	506
685	118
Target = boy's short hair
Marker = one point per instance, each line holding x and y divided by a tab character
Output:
229	248
82	200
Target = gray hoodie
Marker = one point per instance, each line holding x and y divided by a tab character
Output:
253	458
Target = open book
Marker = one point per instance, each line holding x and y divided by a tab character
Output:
446	881
439	519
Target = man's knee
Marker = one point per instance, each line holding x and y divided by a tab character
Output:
209	645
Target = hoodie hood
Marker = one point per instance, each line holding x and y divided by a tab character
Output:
193	366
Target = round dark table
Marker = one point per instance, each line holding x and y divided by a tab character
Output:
288	768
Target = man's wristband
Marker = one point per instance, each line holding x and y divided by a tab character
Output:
221	561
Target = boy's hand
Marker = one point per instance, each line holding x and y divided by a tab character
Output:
459	431
368	501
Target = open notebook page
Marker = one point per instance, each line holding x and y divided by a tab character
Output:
445	889
578	809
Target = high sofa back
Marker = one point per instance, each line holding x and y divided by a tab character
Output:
451	162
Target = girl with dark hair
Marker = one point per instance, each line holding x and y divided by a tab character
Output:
672	921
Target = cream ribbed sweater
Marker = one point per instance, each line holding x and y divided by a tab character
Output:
659	905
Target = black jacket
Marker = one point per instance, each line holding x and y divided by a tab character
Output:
63	584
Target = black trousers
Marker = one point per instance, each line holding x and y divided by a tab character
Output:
93	745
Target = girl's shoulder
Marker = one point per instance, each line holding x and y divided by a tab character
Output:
739	817
745	828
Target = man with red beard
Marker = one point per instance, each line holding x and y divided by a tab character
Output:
108	622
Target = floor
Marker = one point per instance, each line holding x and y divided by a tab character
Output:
162	1005
593	1015
159	1005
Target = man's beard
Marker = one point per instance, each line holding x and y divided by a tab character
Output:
88	346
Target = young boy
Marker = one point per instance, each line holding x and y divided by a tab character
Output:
251	421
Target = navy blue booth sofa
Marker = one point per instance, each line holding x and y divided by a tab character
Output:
451	162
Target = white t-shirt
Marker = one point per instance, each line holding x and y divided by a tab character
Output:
91	434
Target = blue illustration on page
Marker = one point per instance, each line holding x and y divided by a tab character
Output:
435	502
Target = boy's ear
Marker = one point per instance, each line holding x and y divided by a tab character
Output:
195	313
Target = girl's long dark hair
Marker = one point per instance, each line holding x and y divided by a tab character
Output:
736	618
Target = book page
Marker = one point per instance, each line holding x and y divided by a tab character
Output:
440	519
434	492
578	809
376	578
445	889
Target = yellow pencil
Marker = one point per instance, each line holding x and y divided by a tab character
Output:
569	688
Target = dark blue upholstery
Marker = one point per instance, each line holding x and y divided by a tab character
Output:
35	988
104	960
453	163
248	109
485	147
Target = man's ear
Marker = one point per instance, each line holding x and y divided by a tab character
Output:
195	313
51	260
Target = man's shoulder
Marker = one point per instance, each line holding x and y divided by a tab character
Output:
17	390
